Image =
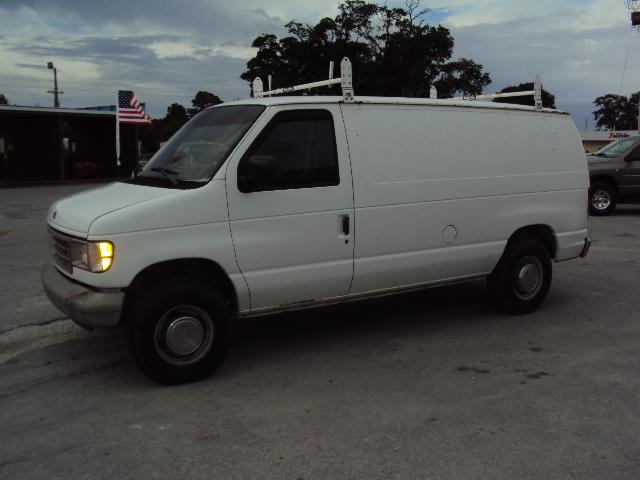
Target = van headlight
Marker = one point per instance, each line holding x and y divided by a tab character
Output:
96	257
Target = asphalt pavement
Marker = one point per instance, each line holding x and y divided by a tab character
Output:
426	385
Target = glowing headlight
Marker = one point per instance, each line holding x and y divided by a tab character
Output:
95	257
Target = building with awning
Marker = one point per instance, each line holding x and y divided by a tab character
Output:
55	144
595	140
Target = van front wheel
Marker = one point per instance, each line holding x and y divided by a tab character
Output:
178	331
521	280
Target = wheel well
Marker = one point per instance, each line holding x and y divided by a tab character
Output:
190	268
604	179
543	233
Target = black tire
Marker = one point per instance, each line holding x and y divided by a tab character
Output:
521	280
603	199
171	318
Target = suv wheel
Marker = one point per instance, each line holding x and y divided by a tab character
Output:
602	199
521	280
178	331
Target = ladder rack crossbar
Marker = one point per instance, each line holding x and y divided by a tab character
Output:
497	95
536	93
305	86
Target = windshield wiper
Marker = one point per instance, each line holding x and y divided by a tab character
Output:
167	173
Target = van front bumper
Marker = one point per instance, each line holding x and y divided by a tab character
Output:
86	306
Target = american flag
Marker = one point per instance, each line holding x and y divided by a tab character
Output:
130	110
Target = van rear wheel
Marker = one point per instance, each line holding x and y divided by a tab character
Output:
521	280
178	331
602	199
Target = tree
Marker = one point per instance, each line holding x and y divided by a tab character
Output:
617	112
548	100
393	52
203	100
164	128
3	100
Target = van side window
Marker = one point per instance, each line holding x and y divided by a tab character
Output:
296	150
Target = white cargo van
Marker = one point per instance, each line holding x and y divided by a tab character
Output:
276	203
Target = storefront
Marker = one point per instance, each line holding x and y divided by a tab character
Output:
49	144
594	141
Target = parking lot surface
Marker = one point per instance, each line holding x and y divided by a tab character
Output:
432	384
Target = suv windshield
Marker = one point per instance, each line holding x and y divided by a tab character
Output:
616	148
195	153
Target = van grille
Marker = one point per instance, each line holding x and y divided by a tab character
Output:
61	246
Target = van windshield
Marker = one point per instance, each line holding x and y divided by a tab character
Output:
195	152
616	148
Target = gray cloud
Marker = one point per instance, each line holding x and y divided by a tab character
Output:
90	48
129	62
116	38
90	31
35	66
576	66
201	19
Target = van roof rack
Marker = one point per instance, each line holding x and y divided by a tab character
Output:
536	92
346	81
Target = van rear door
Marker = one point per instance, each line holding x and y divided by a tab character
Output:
291	207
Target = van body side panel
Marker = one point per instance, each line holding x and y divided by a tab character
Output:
289	243
439	190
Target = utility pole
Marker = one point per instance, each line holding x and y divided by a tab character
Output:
55	91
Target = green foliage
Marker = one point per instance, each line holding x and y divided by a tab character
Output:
162	129
548	100
203	100
3	100
174	119
393	52
617	112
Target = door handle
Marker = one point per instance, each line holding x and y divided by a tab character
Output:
345	225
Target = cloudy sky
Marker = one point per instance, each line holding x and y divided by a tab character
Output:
166	50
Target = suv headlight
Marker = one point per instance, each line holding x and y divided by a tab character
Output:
96	257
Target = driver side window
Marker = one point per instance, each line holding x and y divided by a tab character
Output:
297	149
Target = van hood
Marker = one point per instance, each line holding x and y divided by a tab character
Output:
77	212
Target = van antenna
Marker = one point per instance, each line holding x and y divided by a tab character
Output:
345	80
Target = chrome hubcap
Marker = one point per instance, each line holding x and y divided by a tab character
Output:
528	279
601	199
184	335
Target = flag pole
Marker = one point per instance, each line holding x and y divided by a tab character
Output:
117	134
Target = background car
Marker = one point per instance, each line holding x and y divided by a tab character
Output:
614	172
